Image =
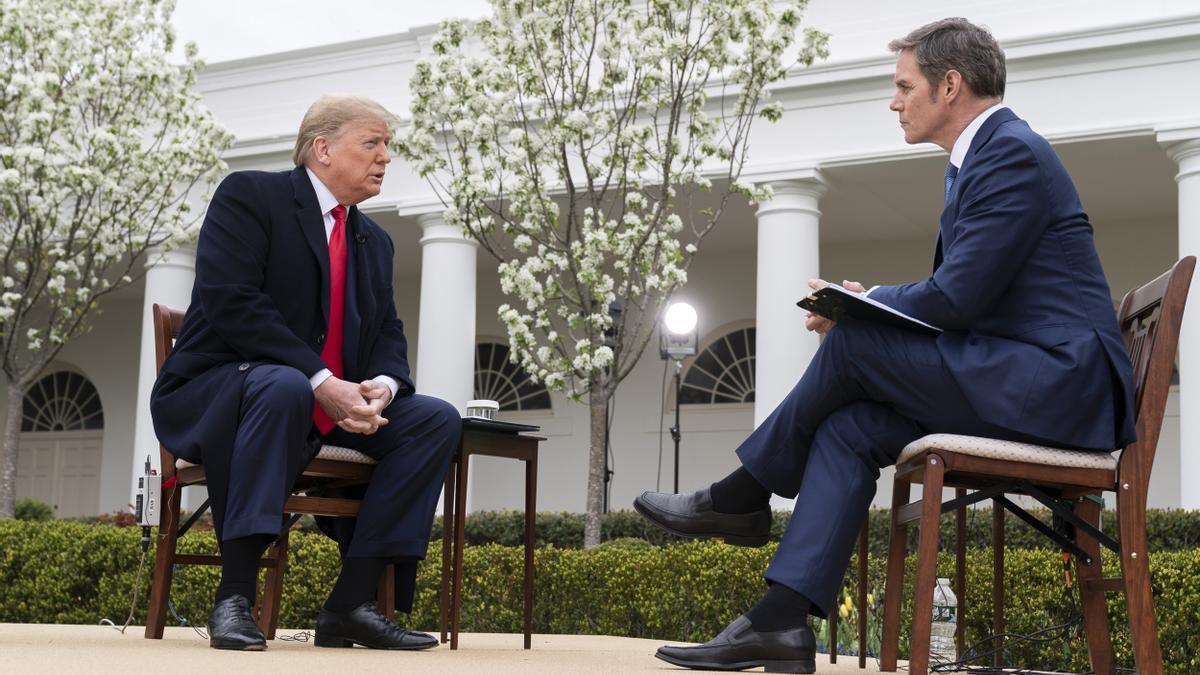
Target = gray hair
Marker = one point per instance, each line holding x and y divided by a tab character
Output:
329	115
957	44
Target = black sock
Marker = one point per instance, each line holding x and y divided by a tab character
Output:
781	608
358	583
239	565
739	492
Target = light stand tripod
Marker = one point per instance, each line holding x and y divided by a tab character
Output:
677	340
676	434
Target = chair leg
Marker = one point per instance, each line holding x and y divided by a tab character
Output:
998	583
863	545
272	593
530	541
385	597
164	566
447	535
833	639
1135	569
893	595
460	516
927	550
960	574
1095	609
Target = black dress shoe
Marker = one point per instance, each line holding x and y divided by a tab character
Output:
367	626
692	516
739	646
231	626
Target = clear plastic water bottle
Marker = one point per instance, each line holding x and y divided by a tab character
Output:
942	648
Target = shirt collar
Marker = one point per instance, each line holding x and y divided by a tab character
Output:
959	152
325	198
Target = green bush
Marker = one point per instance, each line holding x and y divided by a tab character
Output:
1167	529
65	572
31	509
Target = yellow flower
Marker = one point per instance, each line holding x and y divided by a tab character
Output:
843	611
870	599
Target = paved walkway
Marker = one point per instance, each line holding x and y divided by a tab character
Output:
32	648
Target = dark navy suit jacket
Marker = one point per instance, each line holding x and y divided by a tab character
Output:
1030	332
262	296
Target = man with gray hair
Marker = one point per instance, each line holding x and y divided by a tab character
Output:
1030	352
291	341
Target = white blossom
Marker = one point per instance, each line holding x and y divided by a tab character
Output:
583	164
103	140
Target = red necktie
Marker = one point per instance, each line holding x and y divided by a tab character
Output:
331	352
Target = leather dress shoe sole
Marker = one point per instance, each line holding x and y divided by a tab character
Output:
217	643
659	519
338	642
772	666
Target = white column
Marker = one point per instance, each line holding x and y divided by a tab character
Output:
1183	146
788	256
169	277
445	365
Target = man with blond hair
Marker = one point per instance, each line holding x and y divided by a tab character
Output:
291	341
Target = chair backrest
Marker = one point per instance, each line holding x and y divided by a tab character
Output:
167	324
1150	318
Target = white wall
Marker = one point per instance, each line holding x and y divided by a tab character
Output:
108	356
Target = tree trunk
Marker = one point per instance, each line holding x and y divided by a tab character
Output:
12	433
596	456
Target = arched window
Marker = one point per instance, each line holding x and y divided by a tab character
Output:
723	372
62	401
498	379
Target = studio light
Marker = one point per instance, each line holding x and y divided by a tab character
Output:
680	318
679	336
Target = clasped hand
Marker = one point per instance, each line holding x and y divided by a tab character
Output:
356	407
817	323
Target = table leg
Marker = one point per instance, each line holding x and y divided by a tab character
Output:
447	533
530	540
460	514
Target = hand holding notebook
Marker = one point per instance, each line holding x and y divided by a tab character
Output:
839	304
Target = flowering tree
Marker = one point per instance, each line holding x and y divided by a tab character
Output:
565	135
101	141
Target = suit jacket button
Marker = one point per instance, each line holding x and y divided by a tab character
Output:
321	339
244	367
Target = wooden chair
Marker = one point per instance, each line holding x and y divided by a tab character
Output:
861	599
1069	482
332	467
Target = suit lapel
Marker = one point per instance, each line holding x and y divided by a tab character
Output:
950	213
312	224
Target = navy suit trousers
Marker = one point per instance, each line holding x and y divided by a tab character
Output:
413	452
869	391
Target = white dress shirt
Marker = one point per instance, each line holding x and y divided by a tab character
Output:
327	202
959	152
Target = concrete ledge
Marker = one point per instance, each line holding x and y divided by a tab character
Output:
35	648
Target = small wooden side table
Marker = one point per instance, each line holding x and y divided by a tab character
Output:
491	440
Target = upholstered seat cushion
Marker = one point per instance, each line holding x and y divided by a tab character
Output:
332	452
1009	450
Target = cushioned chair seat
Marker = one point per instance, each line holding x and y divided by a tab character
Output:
332	452
992	448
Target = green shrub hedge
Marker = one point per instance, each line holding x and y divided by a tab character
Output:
1167	529
64	572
